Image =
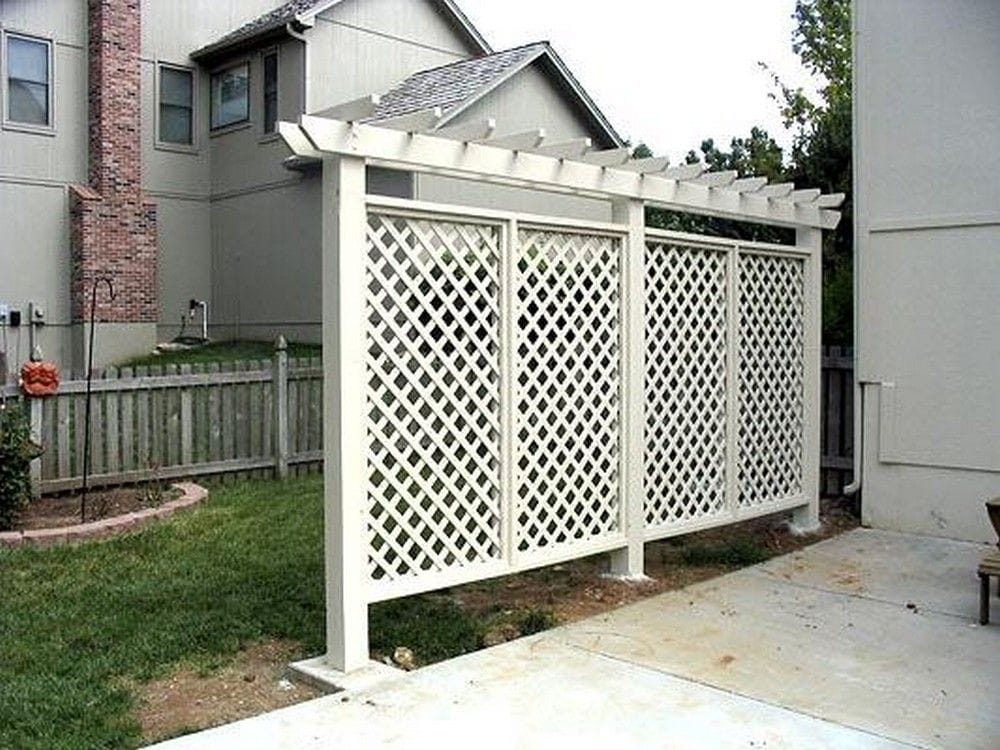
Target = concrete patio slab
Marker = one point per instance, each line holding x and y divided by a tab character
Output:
817	649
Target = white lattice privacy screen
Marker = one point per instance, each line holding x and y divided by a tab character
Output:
496	391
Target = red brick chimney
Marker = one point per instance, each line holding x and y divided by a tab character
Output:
113	225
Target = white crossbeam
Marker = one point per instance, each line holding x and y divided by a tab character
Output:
748	184
613	157
715	179
480	130
684	172
414	122
297	141
571	149
804	196
529	140
490	162
648	165
833	200
357	109
778	190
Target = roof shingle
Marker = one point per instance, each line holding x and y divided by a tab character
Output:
451	85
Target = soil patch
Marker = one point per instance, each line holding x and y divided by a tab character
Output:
59	511
190	699
580	589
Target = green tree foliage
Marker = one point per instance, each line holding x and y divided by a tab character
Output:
16	453
820	156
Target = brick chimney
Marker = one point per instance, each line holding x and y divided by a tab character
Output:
113	224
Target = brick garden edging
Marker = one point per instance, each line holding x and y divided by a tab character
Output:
191	495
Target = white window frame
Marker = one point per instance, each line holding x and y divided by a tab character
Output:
273	135
27	127
241	124
185	148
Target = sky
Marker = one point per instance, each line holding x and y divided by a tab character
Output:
668	73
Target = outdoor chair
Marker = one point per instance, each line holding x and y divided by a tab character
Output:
990	566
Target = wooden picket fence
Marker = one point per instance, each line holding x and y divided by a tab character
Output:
837	439
166	422
264	418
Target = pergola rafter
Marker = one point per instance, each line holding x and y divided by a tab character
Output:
525	159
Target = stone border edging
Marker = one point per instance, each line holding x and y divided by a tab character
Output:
192	494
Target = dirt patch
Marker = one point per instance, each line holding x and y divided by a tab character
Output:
580	589
254	682
60	511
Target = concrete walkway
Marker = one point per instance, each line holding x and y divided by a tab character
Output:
864	641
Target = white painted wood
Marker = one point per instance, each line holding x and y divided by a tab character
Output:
614	157
344	241
525	141
479	130
353	111
715	179
748	184
804	196
685	171
488	163
647	165
806	518
414	122
833	200
778	190
571	149
629	562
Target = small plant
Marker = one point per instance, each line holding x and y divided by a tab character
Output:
152	492
734	552
16	454
536	621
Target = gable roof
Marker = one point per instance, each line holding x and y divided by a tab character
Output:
457	86
302	13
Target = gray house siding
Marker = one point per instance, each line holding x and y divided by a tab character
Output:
928	262
34	170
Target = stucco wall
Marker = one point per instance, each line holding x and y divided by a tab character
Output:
928	229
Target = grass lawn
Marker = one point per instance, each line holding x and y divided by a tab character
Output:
84	629
223	351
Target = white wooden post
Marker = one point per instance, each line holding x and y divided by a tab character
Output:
279	383
806	518
629	562
344	261
35	470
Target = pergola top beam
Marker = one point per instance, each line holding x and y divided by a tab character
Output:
571	149
495	161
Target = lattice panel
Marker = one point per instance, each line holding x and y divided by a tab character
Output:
433	367
686	344
771	378
568	388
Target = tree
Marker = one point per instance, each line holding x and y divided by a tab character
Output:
821	154
822	150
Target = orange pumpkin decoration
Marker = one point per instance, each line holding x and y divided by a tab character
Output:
39	379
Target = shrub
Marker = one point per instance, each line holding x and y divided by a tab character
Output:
16	454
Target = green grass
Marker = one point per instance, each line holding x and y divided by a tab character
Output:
223	351
78	625
739	551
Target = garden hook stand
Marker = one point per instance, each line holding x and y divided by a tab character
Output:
90	375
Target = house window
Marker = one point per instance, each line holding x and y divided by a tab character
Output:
176	105
231	96
270	92
29	81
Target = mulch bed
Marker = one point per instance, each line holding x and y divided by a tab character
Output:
60	511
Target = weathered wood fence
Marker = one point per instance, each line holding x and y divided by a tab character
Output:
265	416
837	439
165	422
